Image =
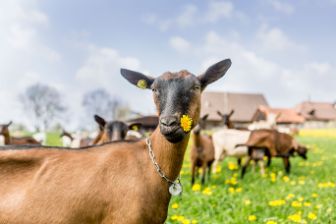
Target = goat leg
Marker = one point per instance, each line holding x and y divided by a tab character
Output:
287	164
249	158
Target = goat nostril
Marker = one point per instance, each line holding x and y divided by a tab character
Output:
168	121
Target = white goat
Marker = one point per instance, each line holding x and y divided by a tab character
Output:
2	140
269	123
225	141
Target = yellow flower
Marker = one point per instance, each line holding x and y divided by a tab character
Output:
314	195
252	218
312	216
218	169
142	84
186	123
239	189
207	191
285	179
175	206
194	221
307	204
296	218
232	166
290	196
275	203
300	199
231	190
271	222
296	204
247	202
196	187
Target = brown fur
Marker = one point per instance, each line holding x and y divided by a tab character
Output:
202	155
100	185
271	143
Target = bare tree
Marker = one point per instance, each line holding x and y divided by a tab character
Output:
43	105
100	102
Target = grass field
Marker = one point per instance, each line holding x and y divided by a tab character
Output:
307	195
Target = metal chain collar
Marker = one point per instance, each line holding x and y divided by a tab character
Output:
156	165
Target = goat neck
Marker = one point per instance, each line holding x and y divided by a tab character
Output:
169	155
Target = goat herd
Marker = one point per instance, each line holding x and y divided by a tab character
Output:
128	181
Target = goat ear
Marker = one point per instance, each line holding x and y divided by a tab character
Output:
214	72
219	113
9	124
205	117
101	121
134	126
138	79
231	113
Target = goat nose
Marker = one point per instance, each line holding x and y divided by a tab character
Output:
168	121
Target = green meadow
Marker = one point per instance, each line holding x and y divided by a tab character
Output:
307	195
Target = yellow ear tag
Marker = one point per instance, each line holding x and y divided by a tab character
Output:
142	84
135	128
186	123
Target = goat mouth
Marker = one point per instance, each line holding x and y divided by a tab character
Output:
173	134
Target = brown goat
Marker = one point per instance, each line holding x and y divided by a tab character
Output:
226	118
113	130
271	143
110	183
202	152
9	140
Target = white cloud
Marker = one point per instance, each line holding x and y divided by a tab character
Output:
187	17
273	39
218	10
250	72
190	15
180	44
282	6
24	56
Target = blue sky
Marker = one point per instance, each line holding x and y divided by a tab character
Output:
284	49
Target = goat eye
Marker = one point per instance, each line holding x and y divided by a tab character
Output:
196	87
154	90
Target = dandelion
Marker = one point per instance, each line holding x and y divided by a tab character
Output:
276	203
296	218
239	189
186	123
318	206
196	187
285	179
326	185
247	202
300	199
231	190
175	206
194	221
271	222
296	204
314	195
301	182
207	191
290	196
218	169
232	166
312	216
252	218
307	204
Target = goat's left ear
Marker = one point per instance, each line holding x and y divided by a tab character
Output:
100	121
138	79
134	126
205	117
214	72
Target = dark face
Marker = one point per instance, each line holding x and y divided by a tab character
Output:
177	96
201	124
4	128
226	118
116	131
302	152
